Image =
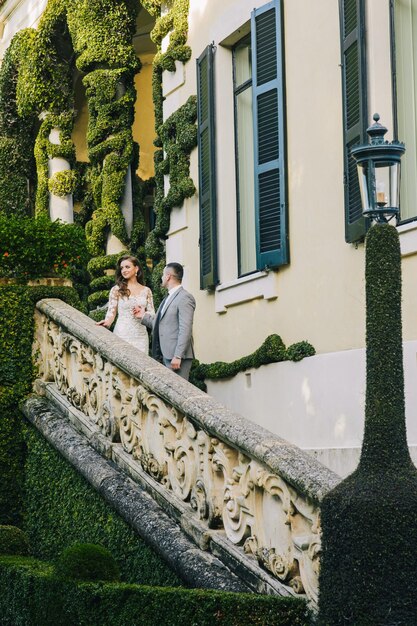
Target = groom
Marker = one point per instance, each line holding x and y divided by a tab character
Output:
172	341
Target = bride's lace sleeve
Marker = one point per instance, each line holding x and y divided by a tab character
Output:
149	303
113	300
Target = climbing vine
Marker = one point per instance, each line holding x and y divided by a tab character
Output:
17	137
45	149
179	136
36	82
272	350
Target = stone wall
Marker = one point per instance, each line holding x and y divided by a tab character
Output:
235	490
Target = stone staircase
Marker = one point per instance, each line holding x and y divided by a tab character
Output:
226	503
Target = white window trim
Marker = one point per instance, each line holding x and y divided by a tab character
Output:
245	289
408	238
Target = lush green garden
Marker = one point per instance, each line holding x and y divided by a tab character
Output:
40	493
43	495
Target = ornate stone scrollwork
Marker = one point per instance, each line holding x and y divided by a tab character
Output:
107	422
140	435
308	549
257	510
238	510
204	506
151	466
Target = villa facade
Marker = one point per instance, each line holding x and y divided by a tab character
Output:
272	240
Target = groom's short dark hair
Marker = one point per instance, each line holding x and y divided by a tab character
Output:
176	269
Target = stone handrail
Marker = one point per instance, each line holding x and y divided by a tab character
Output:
249	497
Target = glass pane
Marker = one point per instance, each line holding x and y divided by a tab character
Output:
362	176
406	50
246	181
243	64
395	185
382	186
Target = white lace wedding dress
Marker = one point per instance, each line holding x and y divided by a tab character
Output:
127	326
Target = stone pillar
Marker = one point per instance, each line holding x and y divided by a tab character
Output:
59	207
114	245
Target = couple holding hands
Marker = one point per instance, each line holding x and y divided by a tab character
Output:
171	325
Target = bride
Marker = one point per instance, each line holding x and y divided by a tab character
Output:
128	292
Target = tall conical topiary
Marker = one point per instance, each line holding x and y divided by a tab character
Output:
369	561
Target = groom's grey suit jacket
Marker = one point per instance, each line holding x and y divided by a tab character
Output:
172	331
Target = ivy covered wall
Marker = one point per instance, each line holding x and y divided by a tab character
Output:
93	38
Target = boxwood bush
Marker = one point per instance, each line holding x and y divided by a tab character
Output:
61	509
13	541
36	247
88	562
369	564
30	595
16	374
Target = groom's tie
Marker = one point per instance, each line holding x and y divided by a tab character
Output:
156	346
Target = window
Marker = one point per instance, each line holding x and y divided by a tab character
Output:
260	143
405	100
242	83
352	26
207	168
260	149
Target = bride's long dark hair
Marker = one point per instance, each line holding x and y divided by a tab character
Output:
120	281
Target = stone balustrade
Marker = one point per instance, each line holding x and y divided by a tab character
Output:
248	497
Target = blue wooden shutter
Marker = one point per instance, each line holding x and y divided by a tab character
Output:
207	169
352	24
269	137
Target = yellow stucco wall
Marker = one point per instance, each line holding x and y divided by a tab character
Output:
320	294
79	133
144	124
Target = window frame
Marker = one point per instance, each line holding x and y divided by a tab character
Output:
394	92
236	92
269	212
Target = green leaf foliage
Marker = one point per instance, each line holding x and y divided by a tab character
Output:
101	33
16	375
178	135
13	541
31	595
17	137
62	509
14	173
36	247
368	566
98	298
88	562
271	351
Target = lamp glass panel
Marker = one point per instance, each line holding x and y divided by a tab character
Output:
395	184
382	185
363	185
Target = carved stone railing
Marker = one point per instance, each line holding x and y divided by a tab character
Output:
250	498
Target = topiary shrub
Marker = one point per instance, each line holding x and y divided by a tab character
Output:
36	247
300	350
98	298
13	541
88	562
369	565
271	351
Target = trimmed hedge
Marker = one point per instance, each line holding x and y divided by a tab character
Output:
30	595
16	332
13	541
271	351
37	247
61	509
369	565
16	374
88	562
